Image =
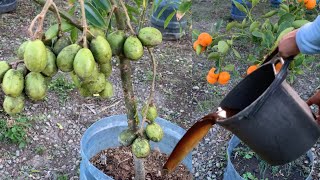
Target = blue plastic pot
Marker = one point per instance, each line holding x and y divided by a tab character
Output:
275	3
104	134
175	28
231	173
7	5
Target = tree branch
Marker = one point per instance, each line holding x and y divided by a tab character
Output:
127	16
59	19
71	19
84	25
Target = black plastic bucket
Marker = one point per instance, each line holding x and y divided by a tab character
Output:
175	28
272	119
7	5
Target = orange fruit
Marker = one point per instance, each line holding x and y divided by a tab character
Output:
212	73
196	44
251	69
211	80
310	4
205	39
278	67
224	78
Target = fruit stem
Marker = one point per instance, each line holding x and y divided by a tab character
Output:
59	19
84	25
152	90
15	64
127	16
39	19
143	14
71	19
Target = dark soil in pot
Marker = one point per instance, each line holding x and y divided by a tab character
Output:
251	167
118	163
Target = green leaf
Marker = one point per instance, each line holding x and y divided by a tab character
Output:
214	56
257	33
230	25
138	2
236	53
103	4
269	14
185	6
269	39
240	6
156	5
93	16
223	47
167	21
286	18
229	67
283	26
132	9
254	3
162	10
254	26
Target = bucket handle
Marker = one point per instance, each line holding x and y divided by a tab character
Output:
280	77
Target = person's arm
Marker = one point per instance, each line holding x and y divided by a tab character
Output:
305	40
308	37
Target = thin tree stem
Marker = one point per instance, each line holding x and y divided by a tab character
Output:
59	19
127	16
84	24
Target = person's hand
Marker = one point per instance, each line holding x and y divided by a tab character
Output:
315	99
288	45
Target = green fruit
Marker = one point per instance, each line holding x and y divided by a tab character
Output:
66	57
12	84
116	40
126	137
133	48
94	75
95	32
36	86
21	49
151	113
84	92
150	36
108	91
141	148
4	67
101	50
35	56
23	69
154	132
298	23
51	67
106	69
13	105
96	86
61	43
52	32
84	63
75	79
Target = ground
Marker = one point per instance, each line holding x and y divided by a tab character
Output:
182	96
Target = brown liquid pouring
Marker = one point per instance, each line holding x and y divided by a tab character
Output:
194	135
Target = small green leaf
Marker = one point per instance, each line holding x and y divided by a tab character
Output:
74	35
254	26
236	53
167	21
286	18
269	14
214	56
162	10
257	33
254	3
103	4
218	25
229	67
230	25
240	6
195	33
230	42
223	47
185	6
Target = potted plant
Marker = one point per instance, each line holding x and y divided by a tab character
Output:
7	6
239	154
83	48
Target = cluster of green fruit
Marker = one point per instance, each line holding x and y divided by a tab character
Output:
89	68
140	145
